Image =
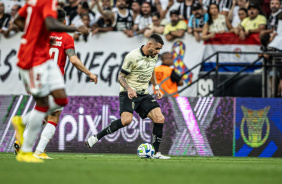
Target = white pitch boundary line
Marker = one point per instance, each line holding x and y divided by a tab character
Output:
9	123
25	110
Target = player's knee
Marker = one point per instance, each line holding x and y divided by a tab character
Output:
159	119
126	121
61	101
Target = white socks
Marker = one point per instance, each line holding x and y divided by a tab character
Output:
46	135
34	119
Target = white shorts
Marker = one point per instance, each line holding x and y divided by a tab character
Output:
51	98
43	79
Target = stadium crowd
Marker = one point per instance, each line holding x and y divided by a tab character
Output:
173	18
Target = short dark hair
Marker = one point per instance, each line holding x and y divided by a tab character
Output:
84	5
176	12
157	38
244	9
163	55
61	15
156	14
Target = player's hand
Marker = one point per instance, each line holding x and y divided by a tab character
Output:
159	94
82	29
131	93
93	78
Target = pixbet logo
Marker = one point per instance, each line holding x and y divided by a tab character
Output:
129	134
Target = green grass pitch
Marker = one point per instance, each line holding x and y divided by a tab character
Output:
68	168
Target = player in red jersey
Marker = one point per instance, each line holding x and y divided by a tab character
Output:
40	74
62	47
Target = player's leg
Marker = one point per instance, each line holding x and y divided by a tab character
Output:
126	111
34	119
47	134
39	80
157	117
149	107
126	119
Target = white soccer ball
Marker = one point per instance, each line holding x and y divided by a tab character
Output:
145	150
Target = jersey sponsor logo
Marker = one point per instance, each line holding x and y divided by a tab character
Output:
56	37
57	43
23	41
32	2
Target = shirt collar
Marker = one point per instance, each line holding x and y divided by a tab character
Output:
165	64
142	53
275	14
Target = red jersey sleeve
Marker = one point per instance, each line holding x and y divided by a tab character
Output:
69	43
50	9
22	12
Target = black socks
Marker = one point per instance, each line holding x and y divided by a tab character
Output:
114	126
157	135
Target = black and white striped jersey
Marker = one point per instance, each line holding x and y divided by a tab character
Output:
224	5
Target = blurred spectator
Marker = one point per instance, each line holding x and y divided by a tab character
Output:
142	21
176	28
167	78
83	9
155	27
12	28
223	5
152	4
161	10
4	19
60	5
185	9
104	24
10	3
123	17
136	8
197	21
71	10
255	23
268	35
106	5
217	23
86	22
265	4
243	13
234	12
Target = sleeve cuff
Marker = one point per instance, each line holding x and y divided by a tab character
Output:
124	72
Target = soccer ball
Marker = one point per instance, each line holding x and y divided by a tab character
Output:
145	150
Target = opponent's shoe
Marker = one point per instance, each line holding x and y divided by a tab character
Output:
42	156
91	141
27	157
17	147
158	155
19	127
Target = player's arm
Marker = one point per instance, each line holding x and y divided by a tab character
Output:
19	21
79	65
54	25
123	83
155	83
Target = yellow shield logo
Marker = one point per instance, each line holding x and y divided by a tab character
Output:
255	121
